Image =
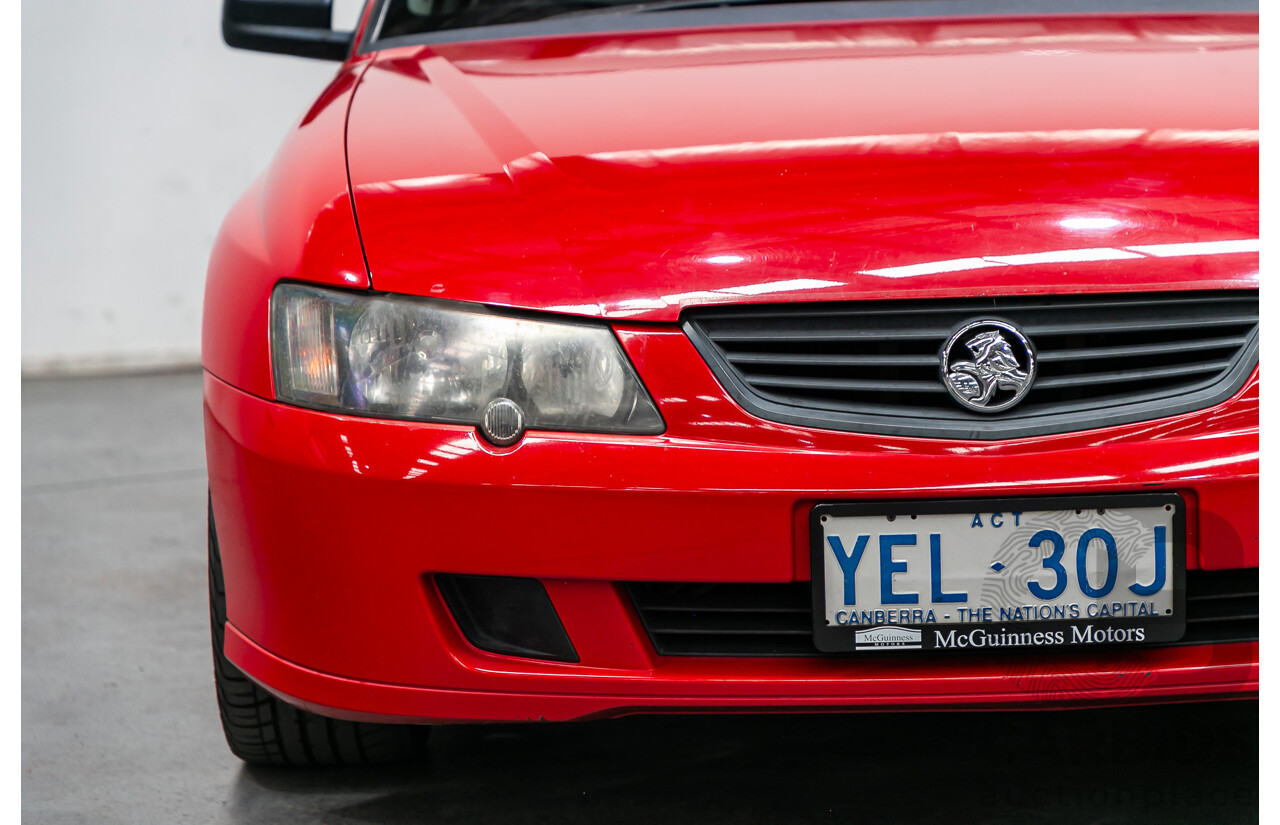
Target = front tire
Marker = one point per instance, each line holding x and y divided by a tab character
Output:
263	730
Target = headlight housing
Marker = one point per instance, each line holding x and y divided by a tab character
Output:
408	358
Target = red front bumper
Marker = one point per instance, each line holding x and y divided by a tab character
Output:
330	527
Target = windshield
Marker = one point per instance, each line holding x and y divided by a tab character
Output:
406	17
430	20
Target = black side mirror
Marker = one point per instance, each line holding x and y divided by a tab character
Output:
297	27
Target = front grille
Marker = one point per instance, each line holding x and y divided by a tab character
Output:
696	619
873	366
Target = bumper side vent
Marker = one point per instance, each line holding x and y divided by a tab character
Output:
507	615
873	366
696	619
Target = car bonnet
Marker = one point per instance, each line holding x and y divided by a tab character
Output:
634	175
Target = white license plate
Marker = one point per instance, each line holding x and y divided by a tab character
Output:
999	573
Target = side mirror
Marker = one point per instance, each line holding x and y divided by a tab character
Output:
297	27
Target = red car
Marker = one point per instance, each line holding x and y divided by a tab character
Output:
574	360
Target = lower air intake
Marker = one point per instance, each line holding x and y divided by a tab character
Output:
698	619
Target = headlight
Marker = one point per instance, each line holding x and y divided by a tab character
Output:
398	357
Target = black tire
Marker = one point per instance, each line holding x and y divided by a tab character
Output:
263	730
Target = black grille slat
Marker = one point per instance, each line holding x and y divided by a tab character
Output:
718	624
1221	633
1224	584
802	336
933	386
766	646
847	385
1210	598
660	608
773	359
1136	326
942	409
873	366
702	619
1089	379
1223	613
719	597
1085	354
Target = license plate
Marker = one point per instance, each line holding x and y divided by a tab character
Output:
999	573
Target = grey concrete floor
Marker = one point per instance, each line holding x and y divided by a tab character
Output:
119	723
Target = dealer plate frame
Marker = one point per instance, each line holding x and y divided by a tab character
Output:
1160	629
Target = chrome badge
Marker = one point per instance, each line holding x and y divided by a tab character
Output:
1002	369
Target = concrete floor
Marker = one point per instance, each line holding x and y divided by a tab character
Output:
119	723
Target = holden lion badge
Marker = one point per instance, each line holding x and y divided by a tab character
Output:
988	366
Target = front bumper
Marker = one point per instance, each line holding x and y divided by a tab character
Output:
331	526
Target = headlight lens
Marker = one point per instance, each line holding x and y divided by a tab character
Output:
398	357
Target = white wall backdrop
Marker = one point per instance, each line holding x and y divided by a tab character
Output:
140	128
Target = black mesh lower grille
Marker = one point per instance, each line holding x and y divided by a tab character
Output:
1222	606
698	619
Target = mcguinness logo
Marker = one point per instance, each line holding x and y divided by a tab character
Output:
1077	635
888	636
